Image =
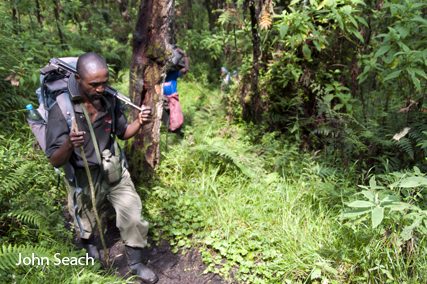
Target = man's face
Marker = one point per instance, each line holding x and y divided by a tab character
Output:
93	84
222	72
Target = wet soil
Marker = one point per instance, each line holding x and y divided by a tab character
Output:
183	267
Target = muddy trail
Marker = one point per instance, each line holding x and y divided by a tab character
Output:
183	267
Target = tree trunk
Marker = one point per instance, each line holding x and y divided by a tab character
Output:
39	17
56	11
255	99
208	7
151	53
190	15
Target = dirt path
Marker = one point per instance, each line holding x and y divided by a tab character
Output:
178	268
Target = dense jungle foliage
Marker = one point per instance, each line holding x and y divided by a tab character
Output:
309	168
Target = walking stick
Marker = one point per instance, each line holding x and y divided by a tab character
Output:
92	190
167	131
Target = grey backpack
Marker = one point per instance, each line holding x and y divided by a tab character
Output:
53	90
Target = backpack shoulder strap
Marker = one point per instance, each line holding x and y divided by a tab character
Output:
64	103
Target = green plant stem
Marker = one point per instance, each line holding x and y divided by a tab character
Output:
92	191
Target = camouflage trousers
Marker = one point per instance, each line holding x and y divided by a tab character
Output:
122	195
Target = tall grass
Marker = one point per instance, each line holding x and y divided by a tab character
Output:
261	210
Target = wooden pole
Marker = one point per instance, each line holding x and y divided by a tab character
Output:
92	190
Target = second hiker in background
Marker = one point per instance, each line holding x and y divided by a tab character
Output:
172	114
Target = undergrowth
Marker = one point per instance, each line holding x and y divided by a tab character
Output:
260	210
257	207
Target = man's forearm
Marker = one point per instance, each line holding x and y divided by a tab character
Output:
61	156
187	63
131	130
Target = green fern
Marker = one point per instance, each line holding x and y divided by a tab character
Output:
406	145
220	150
29	216
9	255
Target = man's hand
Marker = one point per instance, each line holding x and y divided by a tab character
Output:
145	115
61	156
181	51
75	139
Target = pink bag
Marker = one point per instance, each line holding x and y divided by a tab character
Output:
176	116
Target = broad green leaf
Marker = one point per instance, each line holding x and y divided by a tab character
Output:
362	20
299	38
403	46
406	233
317	45
307	52
410	71
418	19
331	270
382	50
416	82
355	213
358	2
372	182
420	72
377	216
346	9
368	195
324	2
284	30
404	31
362	77
35	78
400	207
338	106
355	32
317	273
390	198
360	219
361	204
353	21
412	182
326	267
294	2
392	75
394	63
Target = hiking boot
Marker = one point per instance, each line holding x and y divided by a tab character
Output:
89	246
139	269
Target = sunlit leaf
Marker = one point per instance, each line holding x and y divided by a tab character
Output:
321	5
394	63
317	273
377	216
368	195
361	204
355	213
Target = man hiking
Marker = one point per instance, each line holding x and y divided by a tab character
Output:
100	120
172	116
